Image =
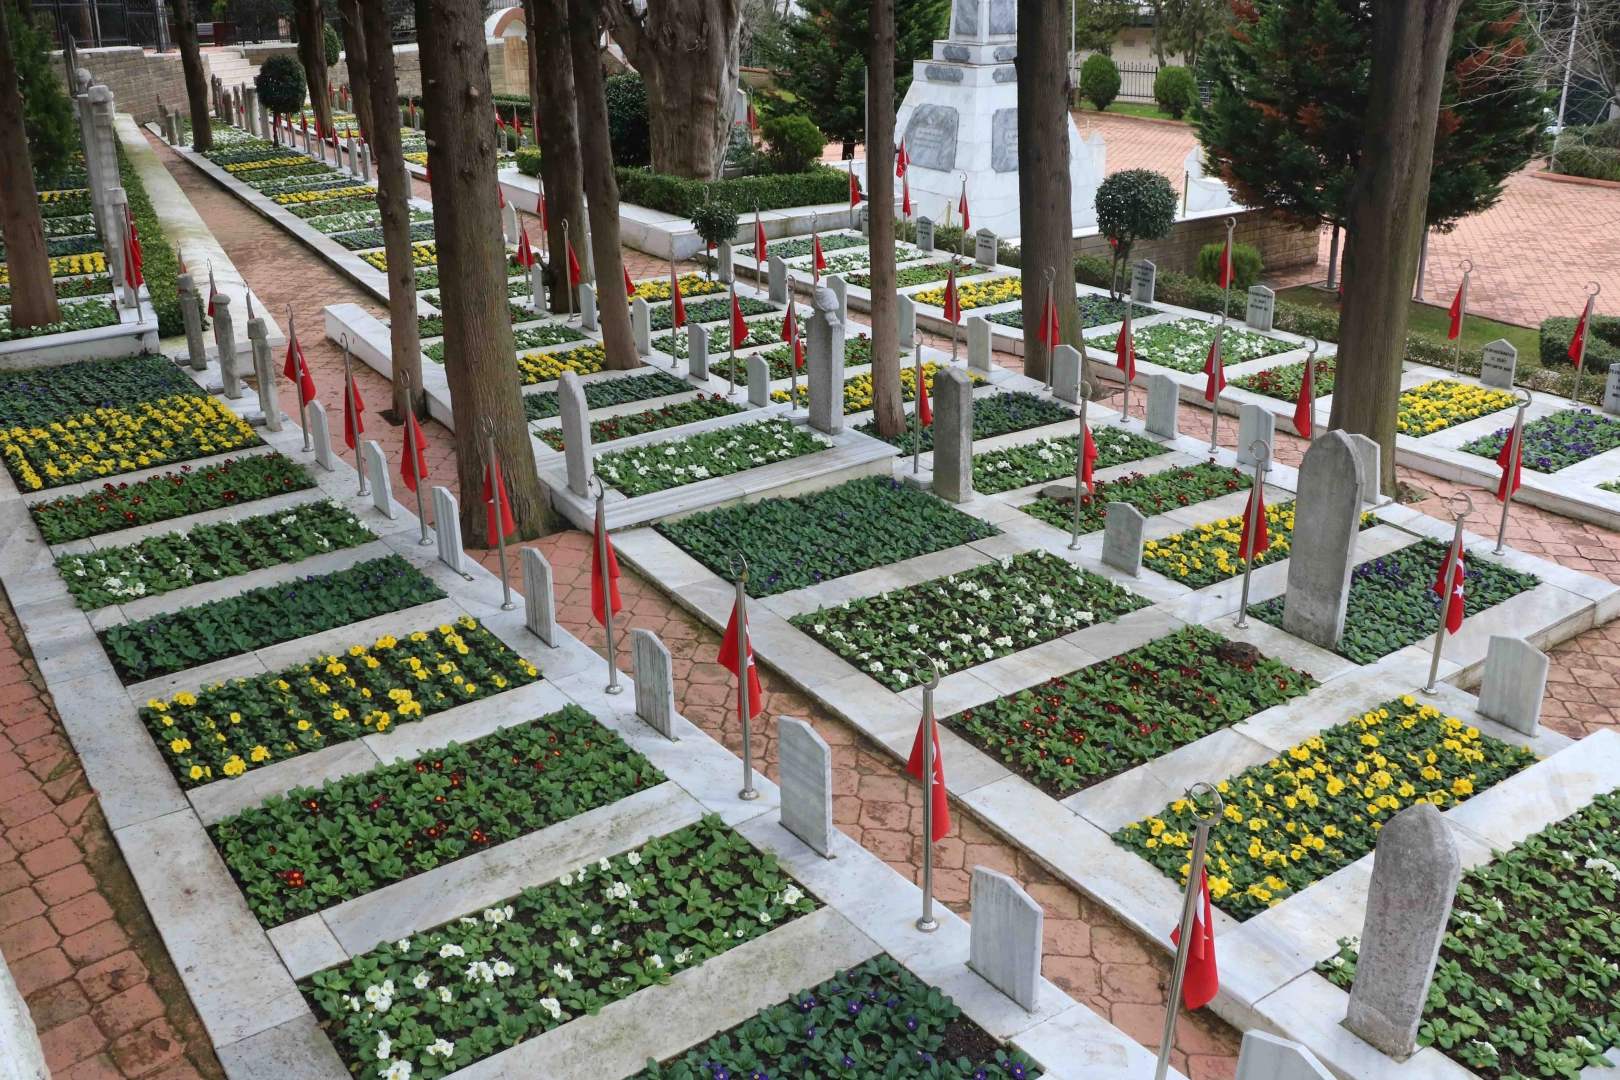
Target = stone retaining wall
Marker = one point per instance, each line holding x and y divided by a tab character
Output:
1280	245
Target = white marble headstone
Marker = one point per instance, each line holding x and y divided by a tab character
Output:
1497	362
805	769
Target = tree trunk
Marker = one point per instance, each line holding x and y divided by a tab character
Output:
33	296
586	22
687	53
480	358
312	54
202	121
1386	214
354	47
394	208
552	91
887	410
1043	176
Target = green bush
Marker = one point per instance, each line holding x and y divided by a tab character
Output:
334	47
528	160
676	195
1099	80
1592	152
161	267
1246	264
1135	204
1602	341
628	129
1176	91
715	221
280	83
48	122
795	143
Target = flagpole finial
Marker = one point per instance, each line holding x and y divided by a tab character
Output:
732	562
1205	790
1466	266
601	488
1312	346
1596	288
932	680
1260	451
1451	503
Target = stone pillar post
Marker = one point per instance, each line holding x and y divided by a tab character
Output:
225	342
264	371
824	363
191	312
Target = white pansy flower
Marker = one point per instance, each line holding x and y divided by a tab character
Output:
596	930
442	1048
397	1070
791	895
403	944
494	915
385	1048
764	916
566	974
421	980
444	995
634	858
468	920
552	1006
503	970
655	961
449	949
567	879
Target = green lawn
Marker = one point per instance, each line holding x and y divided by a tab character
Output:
1433	321
1126	108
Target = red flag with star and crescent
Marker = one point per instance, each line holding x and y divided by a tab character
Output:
213	291
905	196
629	286
678	308
925	412
573	265
739	328
354	425
760	249
819	261
1451	607
1050	330
1256	530
298	371
914	768
730	648
1578	342
1455	331
790	332
525	251
962	208
1303	420
599	544
1202	980
1125	352
413	458
901	160
1223	275
1214	369
1509	475
496	505
1088	460
953	303
854	188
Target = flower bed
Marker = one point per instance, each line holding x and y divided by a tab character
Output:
1393	604
875	1020
321	209
766	331
1283	381
1317	808
857	351
548	366
963	620
992	416
265	616
262	177
1518	988
705	311
1184	344
67	266
975	294
672	415
906	276
230	728
1152	494
424	254
453	995
792	249
298	199
1079	729
350	220
1094	311
607	392
87	315
858	388
362	239
1440	404
529	337
38	397
69	288
1555	442
161	564
296	853
643	470
798	541
657	289
70	225
172	495
1209	552
64	202
1046	460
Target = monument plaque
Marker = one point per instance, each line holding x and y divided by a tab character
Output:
1004	140
1003	17
1497	362
965	20
1144	278
931	137
1262	307
984	247
925	235
1611	392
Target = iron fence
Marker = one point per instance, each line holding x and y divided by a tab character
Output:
1136	80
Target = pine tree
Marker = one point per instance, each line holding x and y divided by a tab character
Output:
820	57
1285	121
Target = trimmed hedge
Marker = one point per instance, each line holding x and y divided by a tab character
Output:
161	266
528	160
675	195
1602	341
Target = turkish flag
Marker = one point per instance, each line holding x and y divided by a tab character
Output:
854	189
901	160
1303	420
1125	353
729	650
1451	608
1088	459
1223	275
1048	332
500	193
298	371
962	208
819	261
1202	980
525	252
739	329
517	123
914	767
498	118
413	461
573	266
596	576
679	305
753	118
760	249
905	199
1502	489
496	504
1214	369
135	256
629	286
924	412
790	332
1256	532
1576	343
1456	316
213	291
353	424
953	303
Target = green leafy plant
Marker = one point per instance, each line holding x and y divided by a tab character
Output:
1132	205
1175	90
879	1015
1318	806
48	120
1602	341
1045	460
84	316
528	160
281	84
995	415
413	816
629	130
660	466
162	266
708	311
1077	730
673	415
1247	265
715	222
35	397
1393	604
556	952
230	728
1184	345
795	142
799	541
333	46
676	195
1099	80
967	619
1155	493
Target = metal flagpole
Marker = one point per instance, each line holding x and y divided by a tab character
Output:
1226	300
411	456
613	686
1130	362
916	411
1257	501
1310	373
747	793
567	273
1079	461
298	380
1580	362
1215	381
350	418
731	336
495	493
674	331
1467	267
1189	905
793	352
927	923
1515	444
1451	581
1051	302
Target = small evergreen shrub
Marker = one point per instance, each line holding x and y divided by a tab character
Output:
1246	264
1175	90
795	143
528	160
280	83
1099	80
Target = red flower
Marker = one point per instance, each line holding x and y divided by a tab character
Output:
480	837
294	878
421	767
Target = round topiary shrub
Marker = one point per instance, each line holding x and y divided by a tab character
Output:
1246	264
280	83
1136	204
1175	90
795	143
528	160
715	221
629	131
1099	80
334	47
